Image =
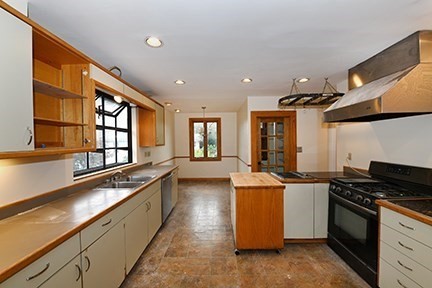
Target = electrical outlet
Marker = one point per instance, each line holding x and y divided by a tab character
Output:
349	156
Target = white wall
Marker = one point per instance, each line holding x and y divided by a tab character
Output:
208	169
312	133
404	140
25	178
243	138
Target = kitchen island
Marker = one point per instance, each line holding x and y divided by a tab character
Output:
256	211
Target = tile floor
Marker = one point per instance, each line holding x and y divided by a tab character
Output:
194	248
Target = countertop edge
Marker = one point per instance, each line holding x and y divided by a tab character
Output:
30	258
405	211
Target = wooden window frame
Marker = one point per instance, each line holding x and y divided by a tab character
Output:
191	139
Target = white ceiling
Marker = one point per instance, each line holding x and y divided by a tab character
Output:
213	44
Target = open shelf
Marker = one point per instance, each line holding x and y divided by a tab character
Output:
54	91
58	123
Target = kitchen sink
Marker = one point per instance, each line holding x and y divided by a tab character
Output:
140	178
120	184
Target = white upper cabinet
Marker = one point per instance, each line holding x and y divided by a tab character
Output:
160	124
102	77
19	5
16	85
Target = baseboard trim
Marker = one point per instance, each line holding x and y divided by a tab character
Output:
204	179
305	241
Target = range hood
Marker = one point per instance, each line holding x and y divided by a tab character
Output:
396	82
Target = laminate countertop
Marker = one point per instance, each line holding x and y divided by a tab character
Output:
29	235
316	177
418	209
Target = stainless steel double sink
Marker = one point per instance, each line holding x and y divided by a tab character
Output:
131	181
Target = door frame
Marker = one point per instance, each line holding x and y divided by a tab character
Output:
255	115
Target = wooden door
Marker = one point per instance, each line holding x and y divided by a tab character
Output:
273	143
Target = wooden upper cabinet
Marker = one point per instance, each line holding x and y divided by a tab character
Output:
151	125
63	98
16	110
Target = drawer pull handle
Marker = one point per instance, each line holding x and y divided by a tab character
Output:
39	273
79	272
405	226
400	283
406	247
88	263
105	224
406	267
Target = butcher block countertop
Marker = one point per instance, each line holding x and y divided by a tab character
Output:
29	235
255	180
418	209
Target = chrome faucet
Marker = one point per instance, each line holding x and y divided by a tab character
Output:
116	175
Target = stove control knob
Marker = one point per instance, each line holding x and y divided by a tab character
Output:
348	193
367	201
332	187
338	190
359	198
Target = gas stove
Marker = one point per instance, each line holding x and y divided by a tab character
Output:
364	191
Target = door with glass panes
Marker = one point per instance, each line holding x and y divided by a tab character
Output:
273	141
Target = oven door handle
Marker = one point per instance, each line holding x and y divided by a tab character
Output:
352	204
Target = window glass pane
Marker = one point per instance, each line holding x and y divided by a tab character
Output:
212	140
110	105
122	119
95	160
109	121
110	156
80	161
110	138
122	156
122	139
198	139
272	144
99	139
280	128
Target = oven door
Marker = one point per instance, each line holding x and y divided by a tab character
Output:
355	228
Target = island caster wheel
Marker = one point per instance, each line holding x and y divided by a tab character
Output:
278	251
236	252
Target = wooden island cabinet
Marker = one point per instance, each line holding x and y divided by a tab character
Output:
257	211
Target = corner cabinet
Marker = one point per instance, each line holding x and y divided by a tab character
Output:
16	125
256	211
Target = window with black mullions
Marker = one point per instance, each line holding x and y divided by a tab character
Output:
113	137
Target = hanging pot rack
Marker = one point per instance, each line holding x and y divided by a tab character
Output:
296	98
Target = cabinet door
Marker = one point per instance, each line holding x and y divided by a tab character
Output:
174	188
103	262
16	84
321	210
299	211
136	234
154	214
160	125
68	277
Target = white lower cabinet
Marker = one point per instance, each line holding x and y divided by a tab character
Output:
136	234
103	262
70	276
174	188
305	210
154	214
405	251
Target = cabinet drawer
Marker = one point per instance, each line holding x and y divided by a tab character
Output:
389	277
405	265
91	233
40	270
408	226
408	246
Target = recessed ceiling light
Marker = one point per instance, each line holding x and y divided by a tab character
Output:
153	42
303	80
177	110
118	99
179	82
168	104
246	80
